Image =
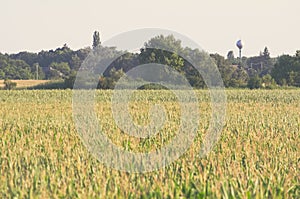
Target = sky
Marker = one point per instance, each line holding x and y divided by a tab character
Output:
35	25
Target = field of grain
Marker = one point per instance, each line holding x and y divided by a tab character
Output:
257	156
25	83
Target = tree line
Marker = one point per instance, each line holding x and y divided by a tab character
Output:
260	71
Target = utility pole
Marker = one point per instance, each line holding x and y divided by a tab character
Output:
37	70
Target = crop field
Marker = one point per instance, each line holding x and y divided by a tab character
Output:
25	83
257	156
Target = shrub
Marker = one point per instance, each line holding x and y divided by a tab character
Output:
9	85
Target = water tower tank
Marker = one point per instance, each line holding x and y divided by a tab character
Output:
239	44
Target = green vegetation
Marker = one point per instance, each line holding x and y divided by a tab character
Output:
287	70
25	84
9	85
63	64
42	156
96	39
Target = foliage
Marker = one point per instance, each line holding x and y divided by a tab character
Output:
15	69
49	85
63	63
287	70
232	75
59	70
110	81
69	81
9	85
260	65
96	39
257	156
268	82
230	56
254	82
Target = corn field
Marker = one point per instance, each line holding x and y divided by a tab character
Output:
257	156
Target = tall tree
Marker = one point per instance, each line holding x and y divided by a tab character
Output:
266	53
230	55
287	70
96	39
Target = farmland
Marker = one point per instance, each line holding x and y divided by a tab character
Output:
25	83
257	156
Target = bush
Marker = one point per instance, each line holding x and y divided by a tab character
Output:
254	82
9	85
59	84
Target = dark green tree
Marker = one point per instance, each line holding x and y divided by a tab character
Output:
287	70
266	53
59	70
268	82
230	57
110	81
9	85
254	82
96	39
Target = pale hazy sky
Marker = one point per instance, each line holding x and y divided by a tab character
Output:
33	25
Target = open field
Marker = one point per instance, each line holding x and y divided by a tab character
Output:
42	156
25	83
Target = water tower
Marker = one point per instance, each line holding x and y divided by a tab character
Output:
240	45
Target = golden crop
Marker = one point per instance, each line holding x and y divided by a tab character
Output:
257	156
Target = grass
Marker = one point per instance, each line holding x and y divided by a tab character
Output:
42	156
25	83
